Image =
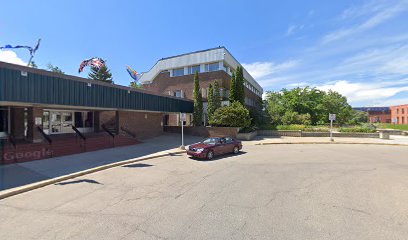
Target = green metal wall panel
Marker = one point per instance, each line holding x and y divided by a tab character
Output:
43	89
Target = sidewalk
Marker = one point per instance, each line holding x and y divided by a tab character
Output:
19	174
263	140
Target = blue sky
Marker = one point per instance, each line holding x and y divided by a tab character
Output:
359	48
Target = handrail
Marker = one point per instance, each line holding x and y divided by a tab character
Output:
127	131
12	141
44	135
107	130
78	133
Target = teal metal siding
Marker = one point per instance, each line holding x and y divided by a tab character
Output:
44	89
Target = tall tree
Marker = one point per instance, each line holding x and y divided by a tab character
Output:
240	88
198	102
103	74
217	95
210	107
233	89
53	68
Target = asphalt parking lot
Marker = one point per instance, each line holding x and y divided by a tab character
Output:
266	192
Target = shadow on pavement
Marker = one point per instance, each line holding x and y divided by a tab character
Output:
138	165
19	174
79	181
220	157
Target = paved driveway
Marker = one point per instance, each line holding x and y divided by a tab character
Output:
269	192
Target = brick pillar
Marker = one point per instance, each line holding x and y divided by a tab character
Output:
33	135
17	122
97	121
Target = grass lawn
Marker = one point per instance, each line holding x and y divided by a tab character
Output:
394	126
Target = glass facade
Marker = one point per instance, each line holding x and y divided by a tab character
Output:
178	72
212	67
194	69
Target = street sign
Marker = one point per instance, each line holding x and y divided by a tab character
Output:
183	117
332	117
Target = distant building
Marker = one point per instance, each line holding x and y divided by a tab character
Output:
377	114
174	76
399	114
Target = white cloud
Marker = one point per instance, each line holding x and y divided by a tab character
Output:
292	29
263	69
379	14
359	92
11	57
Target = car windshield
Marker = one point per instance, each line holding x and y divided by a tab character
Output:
211	140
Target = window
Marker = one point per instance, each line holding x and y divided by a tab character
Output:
397	110
212	67
402	110
194	69
84	119
228	140
178	93
178	72
3	121
402	120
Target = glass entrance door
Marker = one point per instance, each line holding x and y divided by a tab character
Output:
60	121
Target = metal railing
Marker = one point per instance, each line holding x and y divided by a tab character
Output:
44	135
78	133
108	131
127	131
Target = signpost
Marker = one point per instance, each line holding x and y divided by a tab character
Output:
332	117
183	118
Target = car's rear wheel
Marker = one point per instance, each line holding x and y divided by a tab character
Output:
210	155
235	150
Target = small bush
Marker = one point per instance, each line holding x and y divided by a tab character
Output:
358	129
234	115
293	127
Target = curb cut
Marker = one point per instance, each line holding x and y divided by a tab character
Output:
353	143
33	186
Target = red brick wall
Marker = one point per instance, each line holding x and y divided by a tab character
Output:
163	83
33	134
401	113
143	125
379	117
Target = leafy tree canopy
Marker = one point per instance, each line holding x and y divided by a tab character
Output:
234	115
312	101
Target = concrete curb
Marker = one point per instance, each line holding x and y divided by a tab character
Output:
33	186
383	144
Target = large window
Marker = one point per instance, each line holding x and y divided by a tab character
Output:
194	69
3	122
178	72
212	67
84	119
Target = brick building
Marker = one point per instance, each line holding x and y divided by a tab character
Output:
46	112
399	114
174	76
377	114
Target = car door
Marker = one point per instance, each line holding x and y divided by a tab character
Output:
229	145
223	146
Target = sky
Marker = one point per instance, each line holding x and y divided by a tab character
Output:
356	47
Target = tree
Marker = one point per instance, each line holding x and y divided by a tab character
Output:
54	68
233	89
240	88
211	106
33	65
358	117
237	93
135	85
103	74
234	115
217	95
198	102
314	102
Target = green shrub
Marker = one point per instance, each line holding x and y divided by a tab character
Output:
293	127
235	115
358	129
403	127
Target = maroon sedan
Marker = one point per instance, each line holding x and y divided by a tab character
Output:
214	146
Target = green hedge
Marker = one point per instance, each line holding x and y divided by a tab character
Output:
403	127
297	127
359	129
